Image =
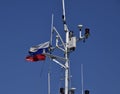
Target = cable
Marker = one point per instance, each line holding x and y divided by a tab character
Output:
41	71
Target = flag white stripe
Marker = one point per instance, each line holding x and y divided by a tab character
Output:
40	46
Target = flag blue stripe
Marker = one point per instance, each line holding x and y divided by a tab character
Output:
39	51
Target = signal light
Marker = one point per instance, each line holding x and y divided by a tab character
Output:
87	32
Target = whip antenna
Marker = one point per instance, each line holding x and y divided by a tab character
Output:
82	83
51	30
63	4
48	82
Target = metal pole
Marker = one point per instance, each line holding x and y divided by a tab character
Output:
66	50
63	3
66	64
82	79
48	82
66	76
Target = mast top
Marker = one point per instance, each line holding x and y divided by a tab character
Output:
63	15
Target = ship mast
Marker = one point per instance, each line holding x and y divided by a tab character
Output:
39	52
66	49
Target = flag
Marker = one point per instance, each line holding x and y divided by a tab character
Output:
36	52
39	49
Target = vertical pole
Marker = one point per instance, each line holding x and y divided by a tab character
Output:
82	79
66	49
66	76
66	64
51	30
48	82
63	5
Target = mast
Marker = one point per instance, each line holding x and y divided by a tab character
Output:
66	49
71	40
47	48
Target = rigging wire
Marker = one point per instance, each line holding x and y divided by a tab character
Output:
41	71
48	71
41	74
49	78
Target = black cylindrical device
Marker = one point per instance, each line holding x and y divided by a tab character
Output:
87	91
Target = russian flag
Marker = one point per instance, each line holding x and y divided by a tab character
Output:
36	52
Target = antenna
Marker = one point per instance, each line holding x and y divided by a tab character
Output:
63	16
49	82
82	83
80	28
51	29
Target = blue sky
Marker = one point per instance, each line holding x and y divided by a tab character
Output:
24	23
